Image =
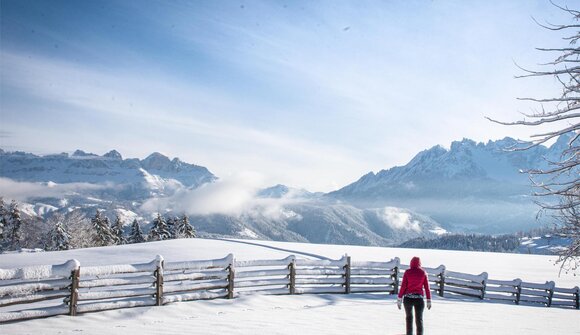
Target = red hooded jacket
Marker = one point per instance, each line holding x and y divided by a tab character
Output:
415	280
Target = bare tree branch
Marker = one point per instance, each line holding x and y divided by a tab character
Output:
560	179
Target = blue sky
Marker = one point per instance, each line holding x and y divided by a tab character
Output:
310	94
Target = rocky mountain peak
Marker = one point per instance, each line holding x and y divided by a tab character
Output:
463	144
113	154
156	161
80	153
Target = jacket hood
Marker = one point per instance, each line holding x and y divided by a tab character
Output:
415	263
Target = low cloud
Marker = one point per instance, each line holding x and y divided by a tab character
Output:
234	195
399	219
22	191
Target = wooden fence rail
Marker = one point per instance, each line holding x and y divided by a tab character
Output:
503	290
46	286
67	289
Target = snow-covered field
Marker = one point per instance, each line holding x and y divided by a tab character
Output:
307	314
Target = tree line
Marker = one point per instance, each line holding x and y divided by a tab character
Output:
74	230
469	242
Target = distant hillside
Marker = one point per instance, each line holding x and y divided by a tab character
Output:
321	222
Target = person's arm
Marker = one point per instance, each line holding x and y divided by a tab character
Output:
427	290
402	291
426	287
403	286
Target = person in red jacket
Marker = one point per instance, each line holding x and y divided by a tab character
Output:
411	295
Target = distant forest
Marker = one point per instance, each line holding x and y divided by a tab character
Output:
475	242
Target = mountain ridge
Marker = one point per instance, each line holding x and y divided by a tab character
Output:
476	187
470	187
111	167
126	188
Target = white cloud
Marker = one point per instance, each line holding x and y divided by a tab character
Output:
23	191
231	195
234	195
398	219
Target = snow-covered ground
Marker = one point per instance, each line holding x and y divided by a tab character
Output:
307	314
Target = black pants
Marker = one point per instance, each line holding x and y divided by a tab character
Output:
419	306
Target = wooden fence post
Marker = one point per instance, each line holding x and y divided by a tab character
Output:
484	284
577	297
231	278
518	290
550	292
347	276
395	276
292	269
159	282
74	291
442	281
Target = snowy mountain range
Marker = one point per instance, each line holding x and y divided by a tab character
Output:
154	175
471	187
133	188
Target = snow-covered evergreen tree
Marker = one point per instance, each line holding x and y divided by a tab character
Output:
102	227
172	224
59	237
13	227
3	222
136	235
111	237
117	231
159	231
184	228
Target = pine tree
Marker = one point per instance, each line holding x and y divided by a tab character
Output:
110	238
137	235
184	228
159	231
117	232
13	227
172	225
3	222
102	227
59	237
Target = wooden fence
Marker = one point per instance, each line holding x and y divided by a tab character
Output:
67	289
